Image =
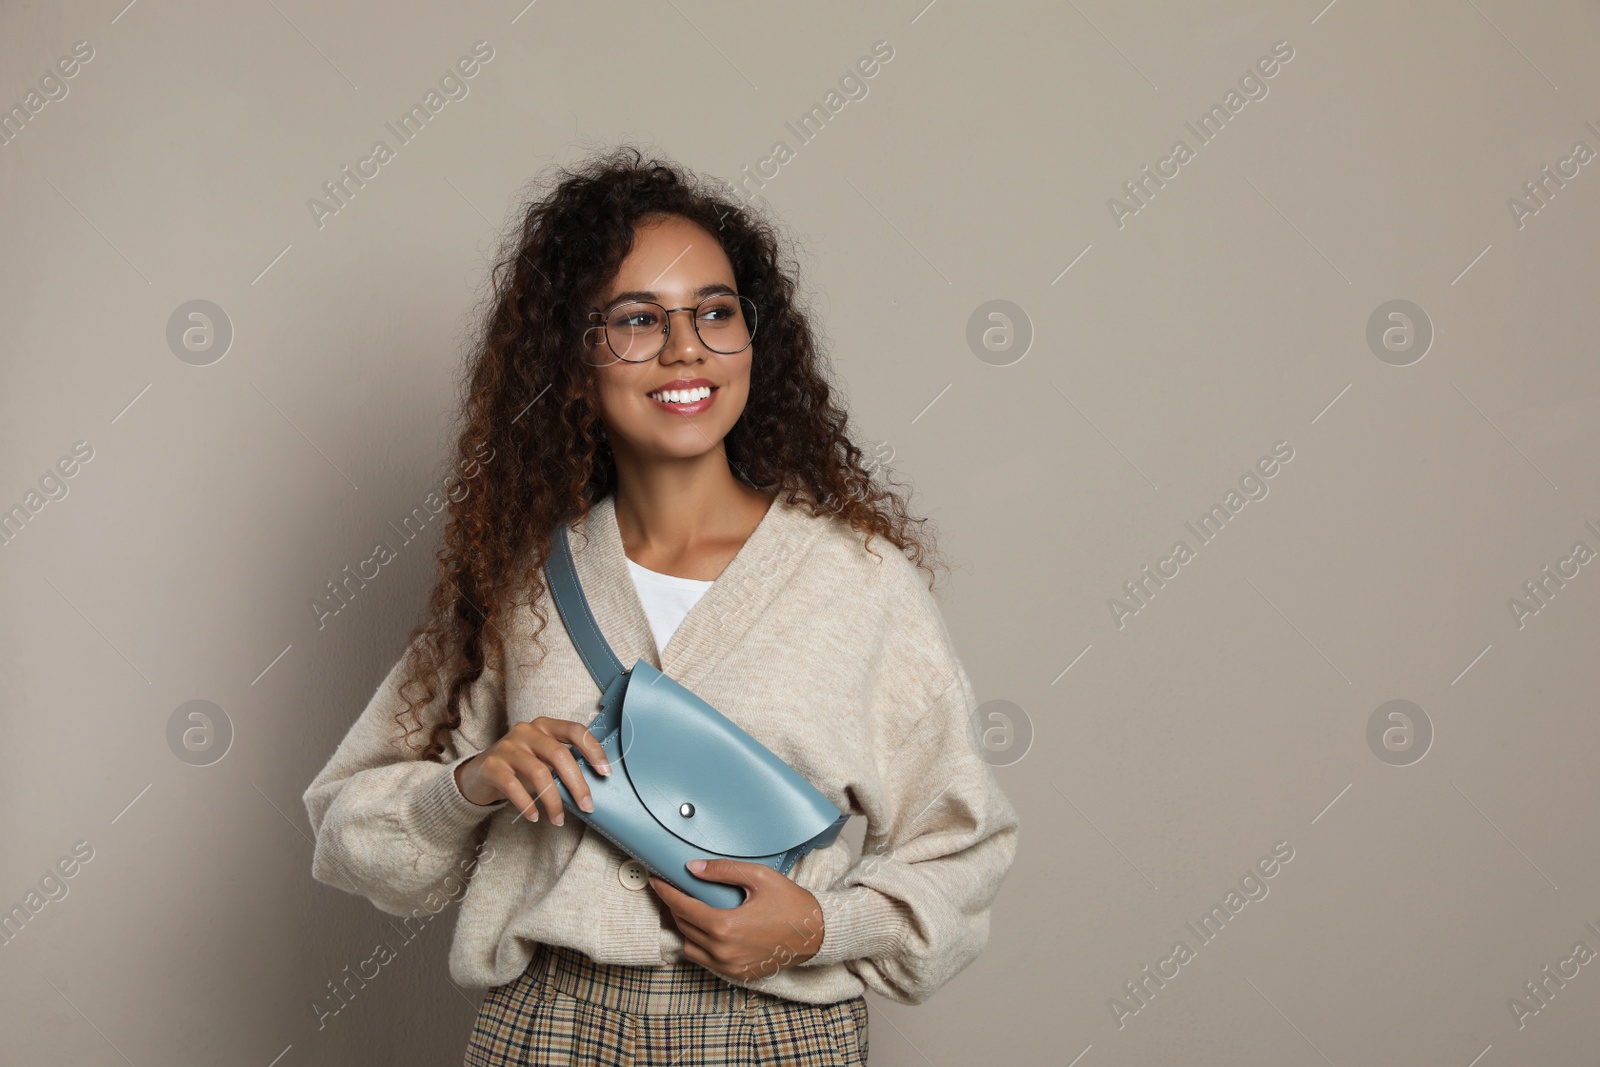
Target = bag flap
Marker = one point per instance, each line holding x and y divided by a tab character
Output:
679	750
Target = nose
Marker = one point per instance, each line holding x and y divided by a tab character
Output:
682	340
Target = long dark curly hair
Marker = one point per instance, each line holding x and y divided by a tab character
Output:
531	428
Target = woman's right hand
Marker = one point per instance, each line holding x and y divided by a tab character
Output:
531	754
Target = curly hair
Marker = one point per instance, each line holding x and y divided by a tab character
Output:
530	414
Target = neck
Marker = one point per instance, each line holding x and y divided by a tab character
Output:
666	506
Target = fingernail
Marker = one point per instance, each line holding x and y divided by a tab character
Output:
605	768
557	819
586	804
697	866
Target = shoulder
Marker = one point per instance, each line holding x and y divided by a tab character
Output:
876	562
879	587
848	551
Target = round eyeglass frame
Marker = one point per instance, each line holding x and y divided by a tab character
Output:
598	320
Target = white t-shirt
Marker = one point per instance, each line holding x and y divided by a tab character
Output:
666	599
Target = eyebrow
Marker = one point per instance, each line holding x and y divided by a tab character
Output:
651	295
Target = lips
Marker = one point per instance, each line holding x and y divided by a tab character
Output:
684	397
682	385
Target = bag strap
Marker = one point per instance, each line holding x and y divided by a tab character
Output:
573	606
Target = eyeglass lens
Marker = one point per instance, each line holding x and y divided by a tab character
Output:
637	331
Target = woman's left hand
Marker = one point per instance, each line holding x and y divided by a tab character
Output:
778	925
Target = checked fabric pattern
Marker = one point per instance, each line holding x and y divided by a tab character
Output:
566	1009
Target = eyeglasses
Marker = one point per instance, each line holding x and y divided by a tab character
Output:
637	330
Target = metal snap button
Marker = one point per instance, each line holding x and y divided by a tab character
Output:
686	810
633	875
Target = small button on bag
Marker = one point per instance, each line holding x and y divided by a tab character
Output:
686	782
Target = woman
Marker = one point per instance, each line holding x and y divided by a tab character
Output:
647	377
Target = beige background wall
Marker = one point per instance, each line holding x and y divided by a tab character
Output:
1169	354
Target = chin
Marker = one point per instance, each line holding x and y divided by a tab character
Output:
692	446
686	442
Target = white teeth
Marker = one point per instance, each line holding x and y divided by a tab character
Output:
682	396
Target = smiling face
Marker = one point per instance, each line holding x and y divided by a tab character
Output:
676	264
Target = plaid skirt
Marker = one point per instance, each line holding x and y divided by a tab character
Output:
568	1009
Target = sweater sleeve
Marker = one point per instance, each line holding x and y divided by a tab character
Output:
914	910
390	826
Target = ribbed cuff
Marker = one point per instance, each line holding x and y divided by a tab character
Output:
441	814
857	923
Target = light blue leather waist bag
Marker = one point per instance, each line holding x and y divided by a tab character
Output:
686	782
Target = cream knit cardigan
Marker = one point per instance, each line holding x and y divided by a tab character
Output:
835	659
